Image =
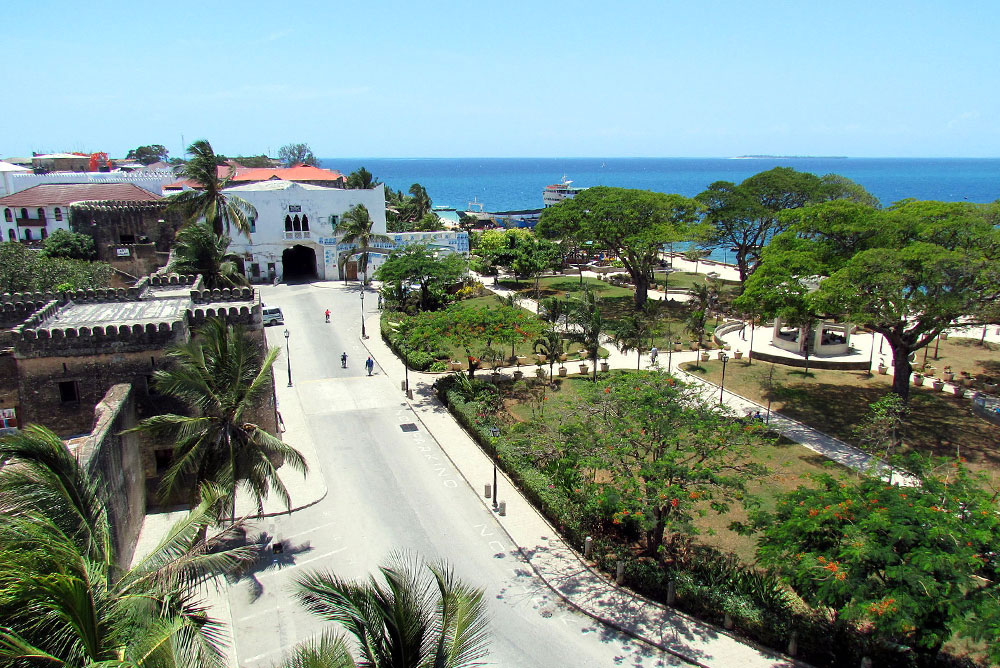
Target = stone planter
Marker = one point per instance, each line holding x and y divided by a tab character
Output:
944	336
521	359
562	371
990	387
518	374
495	377
738	354
938	385
562	357
541	357
966	381
456	365
694	345
705	357
584	369
604	366
948	376
882	369
918	379
678	347
720	354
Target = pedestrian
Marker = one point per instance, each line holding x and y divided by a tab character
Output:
343	360
370	365
757	416
653	352
380	301
328	315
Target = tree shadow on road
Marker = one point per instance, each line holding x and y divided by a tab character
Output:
273	555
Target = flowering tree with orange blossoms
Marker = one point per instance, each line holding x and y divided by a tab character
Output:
911	565
664	452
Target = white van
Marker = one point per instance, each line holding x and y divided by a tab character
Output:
272	316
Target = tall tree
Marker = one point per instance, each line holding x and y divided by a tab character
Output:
198	250
70	245
630	334
147	155
905	272
361	178
222	376
632	224
355	227
746	216
417	264
407	620
589	325
222	210
420	201
67	598
297	154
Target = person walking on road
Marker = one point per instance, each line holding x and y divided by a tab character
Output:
328	315
653	352
343	360
370	365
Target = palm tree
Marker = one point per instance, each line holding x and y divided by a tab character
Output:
408	620
361	178
550	344
211	202
198	250
221	377
631	334
589	324
65	598
554	310
420	201
356	228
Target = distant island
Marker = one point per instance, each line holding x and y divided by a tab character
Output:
790	157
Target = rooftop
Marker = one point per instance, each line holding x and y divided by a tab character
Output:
296	173
66	193
111	313
274	184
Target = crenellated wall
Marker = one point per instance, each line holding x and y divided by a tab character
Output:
109	339
247	315
170	279
223	295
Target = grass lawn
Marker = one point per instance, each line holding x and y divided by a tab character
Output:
835	401
788	463
960	355
565	286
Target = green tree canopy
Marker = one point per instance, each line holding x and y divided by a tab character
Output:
296	154
913	564
746	216
197	250
633	224
905	272
147	155
355	227
361	178
25	270
70	245
422	266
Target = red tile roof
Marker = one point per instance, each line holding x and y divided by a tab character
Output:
296	173
50	194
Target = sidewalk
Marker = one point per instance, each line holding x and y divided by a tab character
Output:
558	565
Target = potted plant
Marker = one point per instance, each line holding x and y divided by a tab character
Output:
918	378
721	353
965	378
882	368
929	371
456	365
738	354
678	347
705	356
694	345
562	357
562	370
948	375
938	384
518	374
604	365
584	368
521	359
542	357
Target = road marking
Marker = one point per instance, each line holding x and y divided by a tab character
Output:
285	569
303	533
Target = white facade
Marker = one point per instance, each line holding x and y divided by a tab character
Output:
296	219
36	222
7	172
151	181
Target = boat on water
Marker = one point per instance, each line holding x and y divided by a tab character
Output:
557	192
442	207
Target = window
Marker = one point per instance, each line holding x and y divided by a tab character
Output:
253	225
27	234
12	235
305	223
41	213
8	216
24	212
58	213
69	392
163	459
296	223
45	233
288	223
333	220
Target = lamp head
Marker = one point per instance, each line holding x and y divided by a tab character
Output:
286	334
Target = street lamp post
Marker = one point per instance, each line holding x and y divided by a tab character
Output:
364	335
495	433
288	358
722	386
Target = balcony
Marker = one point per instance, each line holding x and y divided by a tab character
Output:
31	222
293	236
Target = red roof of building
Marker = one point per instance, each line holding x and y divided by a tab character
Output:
296	173
51	194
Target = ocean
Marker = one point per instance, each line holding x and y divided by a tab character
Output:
510	184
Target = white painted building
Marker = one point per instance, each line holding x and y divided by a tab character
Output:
153	181
293	235
7	172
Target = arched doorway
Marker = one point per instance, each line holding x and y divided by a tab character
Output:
299	262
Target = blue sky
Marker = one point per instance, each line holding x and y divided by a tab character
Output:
511	79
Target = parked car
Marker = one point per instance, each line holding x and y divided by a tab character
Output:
272	315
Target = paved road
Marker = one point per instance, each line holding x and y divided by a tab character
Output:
391	489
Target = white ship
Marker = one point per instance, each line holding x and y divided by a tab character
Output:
556	193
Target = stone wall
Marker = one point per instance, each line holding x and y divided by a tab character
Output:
114	459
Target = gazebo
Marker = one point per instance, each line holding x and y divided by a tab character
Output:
820	339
